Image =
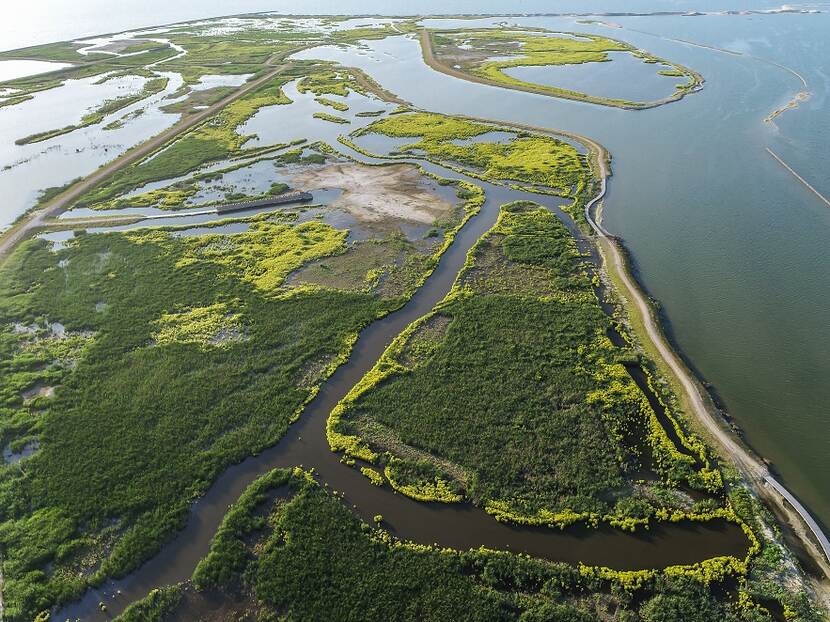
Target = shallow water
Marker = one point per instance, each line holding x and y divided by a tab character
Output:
25	170
487	137
11	457
624	76
295	121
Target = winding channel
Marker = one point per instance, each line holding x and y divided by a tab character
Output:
458	526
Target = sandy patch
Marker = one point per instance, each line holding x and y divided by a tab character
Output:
376	193
39	390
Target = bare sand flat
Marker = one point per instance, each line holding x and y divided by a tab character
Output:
376	193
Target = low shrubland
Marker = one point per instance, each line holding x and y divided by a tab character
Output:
290	548
485	55
531	159
519	385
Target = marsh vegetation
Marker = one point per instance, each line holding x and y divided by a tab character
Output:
137	365
501	57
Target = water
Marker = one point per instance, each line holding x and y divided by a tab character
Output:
487	137
732	246
213	81
624	76
288	122
11	69
460	526
32	23
25	170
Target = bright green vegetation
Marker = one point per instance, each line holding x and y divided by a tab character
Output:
30	85
329	82
206	53
199	359
64	51
194	99
422	480
374	477
175	195
531	159
514	388
14	100
181	412
154	607
288	549
203	326
525	48
306	556
108	65
216	139
331	103
181	355
151	87
193	74
325	116
141	46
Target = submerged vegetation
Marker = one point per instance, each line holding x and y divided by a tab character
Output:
485	55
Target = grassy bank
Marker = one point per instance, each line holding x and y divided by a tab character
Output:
529	159
483	56
289	548
512	382
174	358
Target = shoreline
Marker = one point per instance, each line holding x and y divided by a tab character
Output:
37	218
757	473
698	403
428	54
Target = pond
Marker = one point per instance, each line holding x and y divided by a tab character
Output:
623	77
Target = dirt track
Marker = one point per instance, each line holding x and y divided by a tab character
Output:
753	469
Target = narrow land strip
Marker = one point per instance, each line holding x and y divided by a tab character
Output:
700	404
437	65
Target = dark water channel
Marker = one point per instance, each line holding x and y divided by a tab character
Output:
459	526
